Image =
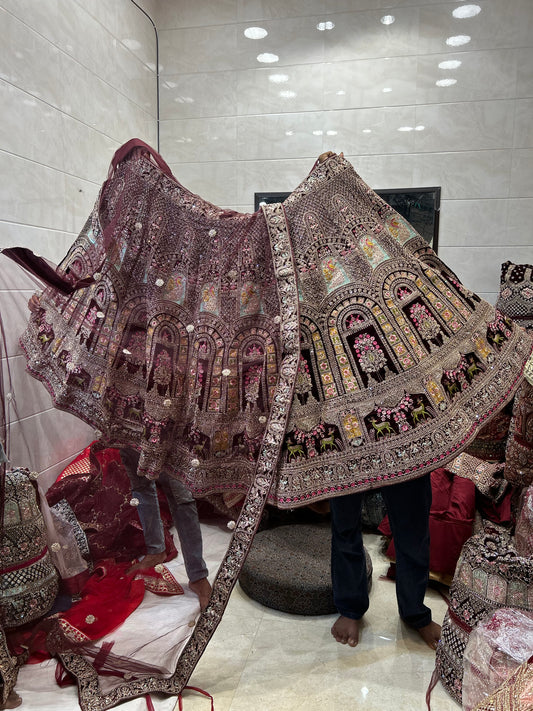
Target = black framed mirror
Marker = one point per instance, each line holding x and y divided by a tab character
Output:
419	206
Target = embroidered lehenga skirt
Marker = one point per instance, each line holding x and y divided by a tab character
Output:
314	348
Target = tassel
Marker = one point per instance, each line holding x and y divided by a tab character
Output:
432	684
63	677
200	691
101	657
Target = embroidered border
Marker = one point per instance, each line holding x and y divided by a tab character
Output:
407	457
8	670
90	696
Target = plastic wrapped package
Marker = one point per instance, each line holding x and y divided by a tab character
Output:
516	694
495	650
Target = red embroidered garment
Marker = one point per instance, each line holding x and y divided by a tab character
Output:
100	499
298	353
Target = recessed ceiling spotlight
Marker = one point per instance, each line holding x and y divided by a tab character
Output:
458	40
278	78
386	89
287	94
328	25
387	19
267	58
420	127
331	133
318	133
406	128
255	32
450	64
446	82
289	133
341	92
466	11
367	130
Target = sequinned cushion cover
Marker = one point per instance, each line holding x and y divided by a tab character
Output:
516	293
490	574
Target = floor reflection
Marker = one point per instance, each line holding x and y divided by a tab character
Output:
262	658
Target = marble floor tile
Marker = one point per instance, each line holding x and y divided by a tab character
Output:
261	658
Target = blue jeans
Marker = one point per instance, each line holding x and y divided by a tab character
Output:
182	508
408	505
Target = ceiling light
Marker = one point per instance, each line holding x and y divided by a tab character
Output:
318	133
458	40
386	89
450	64
255	32
278	78
328	25
405	128
466	11
446	82
387	19
331	133
367	130
267	58
419	127
289	133
341	92
287	94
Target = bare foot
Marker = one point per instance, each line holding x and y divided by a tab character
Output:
202	588
346	631
12	701
430	634
149	561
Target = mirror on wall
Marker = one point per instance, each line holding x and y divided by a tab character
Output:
419	206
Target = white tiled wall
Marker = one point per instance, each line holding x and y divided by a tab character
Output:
77	80
229	130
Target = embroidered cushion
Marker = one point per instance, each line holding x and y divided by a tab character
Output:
524	524
28	579
516	293
489	575
491	440
519	452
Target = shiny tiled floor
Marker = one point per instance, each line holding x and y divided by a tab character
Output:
263	659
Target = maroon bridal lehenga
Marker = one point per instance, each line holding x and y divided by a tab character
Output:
311	349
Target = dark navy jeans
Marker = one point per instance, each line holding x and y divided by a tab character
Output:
408	504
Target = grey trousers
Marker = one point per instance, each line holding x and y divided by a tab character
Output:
182	508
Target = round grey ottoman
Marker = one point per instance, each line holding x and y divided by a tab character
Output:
288	568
